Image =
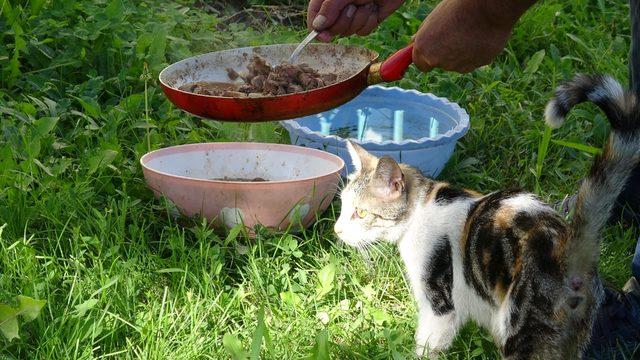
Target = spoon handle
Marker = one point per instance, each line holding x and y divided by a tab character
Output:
312	35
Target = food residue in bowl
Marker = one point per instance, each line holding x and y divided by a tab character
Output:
226	178
264	80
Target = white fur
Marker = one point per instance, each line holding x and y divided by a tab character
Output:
428	224
526	202
355	159
610	89
551	116
500	326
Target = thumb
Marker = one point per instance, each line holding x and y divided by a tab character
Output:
329	12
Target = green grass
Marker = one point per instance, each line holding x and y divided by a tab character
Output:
122	279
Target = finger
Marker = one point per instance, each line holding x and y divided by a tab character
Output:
372	23
312	12
324	36
386	8
329	13
341	24
420	60
359	20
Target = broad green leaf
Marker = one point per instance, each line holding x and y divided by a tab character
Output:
380	316
29	308
397	356
292	244
325	278
9	322
534	62
90	107
233	233
45	125
7	10
86	306
101	160
115	10
6	160
321	348
144	40
233	347
36	6
290	298
157	47
33	146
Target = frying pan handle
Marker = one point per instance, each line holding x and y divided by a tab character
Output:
393	68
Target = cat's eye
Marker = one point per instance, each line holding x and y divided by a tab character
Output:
361	213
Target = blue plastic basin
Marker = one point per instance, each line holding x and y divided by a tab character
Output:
389	121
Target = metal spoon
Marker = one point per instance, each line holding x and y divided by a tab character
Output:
312	35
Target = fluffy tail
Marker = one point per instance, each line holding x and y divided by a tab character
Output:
634	51
607	176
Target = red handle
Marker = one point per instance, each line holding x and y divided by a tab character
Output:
396	65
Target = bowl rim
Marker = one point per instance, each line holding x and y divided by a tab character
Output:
451	135
246	146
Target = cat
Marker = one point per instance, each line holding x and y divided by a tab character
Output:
506	260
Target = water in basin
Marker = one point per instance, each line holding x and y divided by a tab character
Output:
374	117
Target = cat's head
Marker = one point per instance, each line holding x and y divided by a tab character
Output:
374	200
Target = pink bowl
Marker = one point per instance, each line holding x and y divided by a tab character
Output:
301	182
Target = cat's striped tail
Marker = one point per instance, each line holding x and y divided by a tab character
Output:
607	176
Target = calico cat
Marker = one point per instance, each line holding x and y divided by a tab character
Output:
505	260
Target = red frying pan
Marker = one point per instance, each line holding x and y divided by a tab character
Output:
353	65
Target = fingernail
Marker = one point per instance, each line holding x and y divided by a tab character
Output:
351	9
319	21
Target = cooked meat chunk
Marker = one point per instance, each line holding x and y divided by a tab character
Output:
264	80
232	74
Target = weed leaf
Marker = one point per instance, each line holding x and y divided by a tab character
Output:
86	306
256	344
534	62
45	125
233	347
101	160
29	308
325	278
321	349
9	322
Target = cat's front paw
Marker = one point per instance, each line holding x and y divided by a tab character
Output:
432	339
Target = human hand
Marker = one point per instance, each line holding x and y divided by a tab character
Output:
462	35
347	17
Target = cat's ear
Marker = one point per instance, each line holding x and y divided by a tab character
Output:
360	158
388	180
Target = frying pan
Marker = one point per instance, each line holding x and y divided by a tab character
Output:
353	65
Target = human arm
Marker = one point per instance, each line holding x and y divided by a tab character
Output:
462	35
